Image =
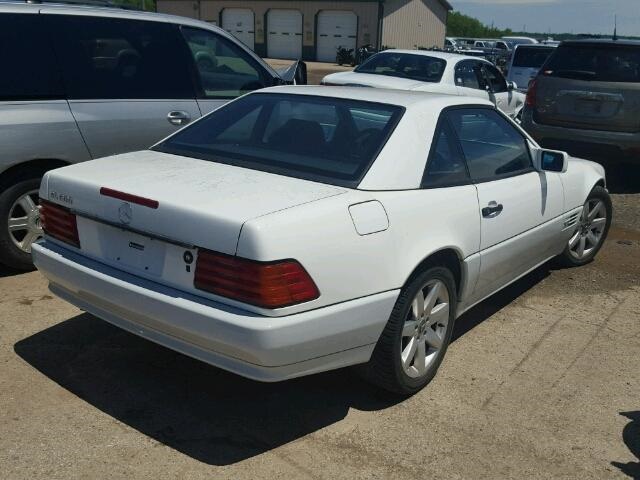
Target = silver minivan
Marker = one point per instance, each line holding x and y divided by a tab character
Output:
84	82
525	63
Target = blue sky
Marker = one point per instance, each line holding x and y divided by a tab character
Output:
577	16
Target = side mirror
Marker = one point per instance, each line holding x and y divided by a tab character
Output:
294	74
552	161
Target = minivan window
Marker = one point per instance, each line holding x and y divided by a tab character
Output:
323	139
29	71
531	57
602	63
405	65
224	69
114	58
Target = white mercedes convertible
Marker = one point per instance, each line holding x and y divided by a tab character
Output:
303	229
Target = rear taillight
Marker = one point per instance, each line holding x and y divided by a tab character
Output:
264	284
531	93
58	222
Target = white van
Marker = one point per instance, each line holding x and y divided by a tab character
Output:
525	63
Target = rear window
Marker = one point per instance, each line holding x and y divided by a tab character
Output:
602	63
405	65
531	57
317	138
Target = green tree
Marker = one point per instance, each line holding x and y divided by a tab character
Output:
461	25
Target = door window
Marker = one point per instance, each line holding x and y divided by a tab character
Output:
492	146
495	78
445	166
225	70
114	58
29	71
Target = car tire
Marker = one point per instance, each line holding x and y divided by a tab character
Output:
591	232
11	255
391	366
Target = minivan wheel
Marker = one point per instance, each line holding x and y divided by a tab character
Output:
416	337
591	232
20	223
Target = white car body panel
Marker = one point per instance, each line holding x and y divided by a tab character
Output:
509	102
359	245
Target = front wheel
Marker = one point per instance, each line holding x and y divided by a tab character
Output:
591	232
416	337
19	223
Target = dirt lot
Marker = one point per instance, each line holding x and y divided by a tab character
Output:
542	380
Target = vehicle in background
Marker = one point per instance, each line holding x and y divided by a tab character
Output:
586	99
345	56
365	52
84	82
298	230
450	44
430	71
520	40
525	63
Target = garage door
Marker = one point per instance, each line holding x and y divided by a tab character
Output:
239	22
335	29
285	34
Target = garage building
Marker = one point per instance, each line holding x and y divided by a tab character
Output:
314	29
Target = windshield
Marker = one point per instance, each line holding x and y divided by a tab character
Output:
602	63
405	65
531	57
317	138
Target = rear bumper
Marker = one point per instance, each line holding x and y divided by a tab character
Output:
254	346
579	142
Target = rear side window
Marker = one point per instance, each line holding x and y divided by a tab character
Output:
445	166
121	59
602	63
531	57
225	70
492	146
405	65
323	139
29	71
466	74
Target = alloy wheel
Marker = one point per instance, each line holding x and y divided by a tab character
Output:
425	328
24	221
590	231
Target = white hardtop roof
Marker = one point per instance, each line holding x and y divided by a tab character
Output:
402	98
434	54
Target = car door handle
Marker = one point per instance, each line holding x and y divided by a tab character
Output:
492	210
178	117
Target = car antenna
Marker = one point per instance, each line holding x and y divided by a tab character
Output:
615	27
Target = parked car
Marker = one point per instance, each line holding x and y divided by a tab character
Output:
586	99
303	229
84	82
430	71
520	40
526	62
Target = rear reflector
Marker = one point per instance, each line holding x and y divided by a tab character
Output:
58	222
532	93
264	284
127	197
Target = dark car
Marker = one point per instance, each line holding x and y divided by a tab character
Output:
586	99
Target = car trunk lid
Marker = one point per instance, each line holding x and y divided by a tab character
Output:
372	80
199	203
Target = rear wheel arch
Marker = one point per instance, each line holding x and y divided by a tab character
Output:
26	170
449	258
